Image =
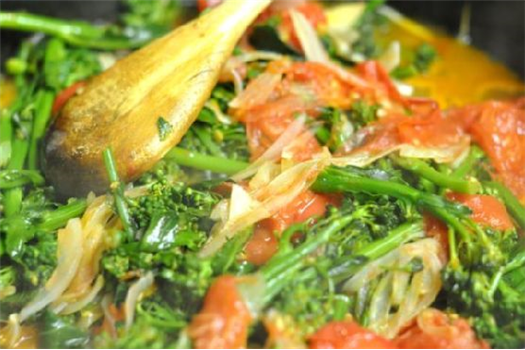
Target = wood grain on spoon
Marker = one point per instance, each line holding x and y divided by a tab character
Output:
171	78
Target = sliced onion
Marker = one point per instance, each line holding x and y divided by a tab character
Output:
245	208
444	154
133	295
313	47
108	316
95	230
213	105
106	60
273	153
70	250
14	331
391	58
237	81
252	56
257	92
362	158
85	300
399	296
348	76
404	89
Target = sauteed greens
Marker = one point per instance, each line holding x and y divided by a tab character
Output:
330	194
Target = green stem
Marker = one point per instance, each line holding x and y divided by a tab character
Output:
205	139
466	166
282	265
58	218
400	235
118	193
77	33
338	180
204	162
44	103
453	260
13	197
16	178
6	133
426	171
515	208
452	220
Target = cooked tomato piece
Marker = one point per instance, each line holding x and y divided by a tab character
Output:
486	210
265	123
326	87
500	131
437	229
65	95
204	4
347	335
375	73
305	206
263	243
430	130
224	319
433	329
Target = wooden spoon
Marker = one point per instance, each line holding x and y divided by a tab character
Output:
170	78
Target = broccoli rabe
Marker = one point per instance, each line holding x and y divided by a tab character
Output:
215	133
483	281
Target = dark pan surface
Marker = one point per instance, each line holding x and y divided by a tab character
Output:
497	27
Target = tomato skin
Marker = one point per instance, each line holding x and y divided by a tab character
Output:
328	88
265	123
499	128
438	230
204	4
263	244
434	329
486	210
347	335
374	72
305	206
224	319
65	95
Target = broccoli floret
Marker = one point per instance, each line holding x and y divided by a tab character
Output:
487	286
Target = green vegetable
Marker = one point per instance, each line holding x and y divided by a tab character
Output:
165	128
117	189
204	162
512	203
365	47
77	33
423	58
17	178
7	281
426	171
60	332
362	114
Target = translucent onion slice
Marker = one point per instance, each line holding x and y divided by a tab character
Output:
313	47
257	92
273	153
134	292
85	300
391	58
445	154
70	251
249	206
400	294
